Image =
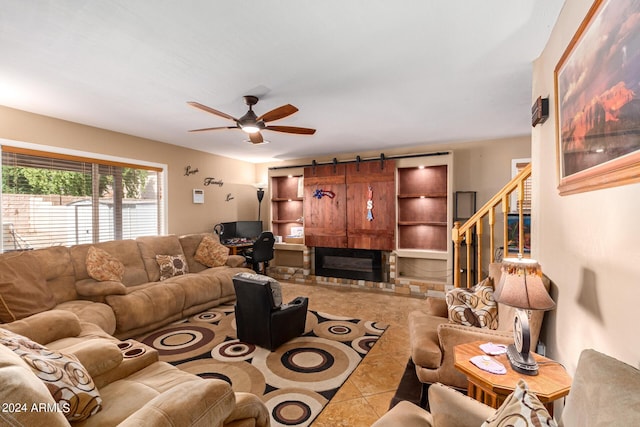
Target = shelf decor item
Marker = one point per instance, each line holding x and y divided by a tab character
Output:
597	106
521	287
370	204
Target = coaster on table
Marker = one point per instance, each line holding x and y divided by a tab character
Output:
488	364
493	349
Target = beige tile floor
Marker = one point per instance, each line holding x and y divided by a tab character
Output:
365	396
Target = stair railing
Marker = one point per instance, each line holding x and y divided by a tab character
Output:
474	225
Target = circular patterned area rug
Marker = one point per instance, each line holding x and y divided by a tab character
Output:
295	381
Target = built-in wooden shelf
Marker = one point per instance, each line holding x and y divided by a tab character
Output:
290	199
422	207
422	195
412	223
286	204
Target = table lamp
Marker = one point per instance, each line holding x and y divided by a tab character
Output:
521	287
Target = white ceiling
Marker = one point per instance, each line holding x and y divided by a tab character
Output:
367	74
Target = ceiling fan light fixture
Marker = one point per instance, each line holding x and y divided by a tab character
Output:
250	128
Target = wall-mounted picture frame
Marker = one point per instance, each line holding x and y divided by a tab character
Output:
597	102
513	233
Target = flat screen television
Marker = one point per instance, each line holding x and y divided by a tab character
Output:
241	230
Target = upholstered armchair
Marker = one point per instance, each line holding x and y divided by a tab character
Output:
261	318
432	337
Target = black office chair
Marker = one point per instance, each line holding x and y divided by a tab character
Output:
259	320
261	252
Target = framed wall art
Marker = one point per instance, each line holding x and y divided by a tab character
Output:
597	86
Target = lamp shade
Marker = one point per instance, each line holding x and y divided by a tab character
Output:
521	285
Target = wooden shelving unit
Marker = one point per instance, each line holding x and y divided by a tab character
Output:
286	204
424	224
422	208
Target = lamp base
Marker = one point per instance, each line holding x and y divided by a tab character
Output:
522	363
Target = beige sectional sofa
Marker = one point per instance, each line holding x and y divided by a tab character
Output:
50	297
135	389
57	277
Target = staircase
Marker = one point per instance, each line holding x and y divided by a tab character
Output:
475	227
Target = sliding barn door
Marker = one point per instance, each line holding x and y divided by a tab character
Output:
371	209
325	217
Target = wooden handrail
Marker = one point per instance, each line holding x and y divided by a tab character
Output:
465	231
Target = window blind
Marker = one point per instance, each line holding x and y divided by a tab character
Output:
52	199
526	202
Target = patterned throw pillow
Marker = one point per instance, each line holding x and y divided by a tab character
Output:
276	288
473	307
67	380
521	409
171	265
211	253
103	266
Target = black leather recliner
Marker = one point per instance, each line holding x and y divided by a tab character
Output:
259	321
262	252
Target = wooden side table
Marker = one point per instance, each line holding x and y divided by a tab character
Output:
551	383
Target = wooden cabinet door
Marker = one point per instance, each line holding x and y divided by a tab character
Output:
325	218
379	232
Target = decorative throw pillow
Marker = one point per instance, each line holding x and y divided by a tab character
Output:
211	253
67	380
23	287
276	288
473	307
171	265
521	409
103	266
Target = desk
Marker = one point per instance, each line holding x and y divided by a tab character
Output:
551	383
235	247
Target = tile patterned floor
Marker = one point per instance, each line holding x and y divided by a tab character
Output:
365	396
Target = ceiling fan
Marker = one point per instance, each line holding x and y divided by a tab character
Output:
252	124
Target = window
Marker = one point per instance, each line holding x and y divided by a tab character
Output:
53	199
516	167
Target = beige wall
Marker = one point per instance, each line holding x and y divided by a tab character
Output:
183	216
482	166
586	243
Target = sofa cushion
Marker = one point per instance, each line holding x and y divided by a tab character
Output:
605	392
147	306
96	313
48	326
57	269
97	355
150	246
171	266
104	267
521	409
211	252
23	288
67	380
473	307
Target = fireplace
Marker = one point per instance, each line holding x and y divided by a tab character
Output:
359	264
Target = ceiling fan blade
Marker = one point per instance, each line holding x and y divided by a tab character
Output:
211	110
216	128
278	113
256	138
291	129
